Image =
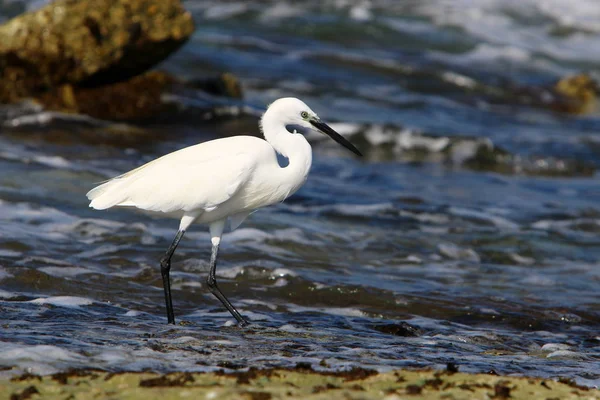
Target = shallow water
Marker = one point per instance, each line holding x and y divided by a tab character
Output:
496	271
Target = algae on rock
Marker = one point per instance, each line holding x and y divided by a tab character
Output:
292	383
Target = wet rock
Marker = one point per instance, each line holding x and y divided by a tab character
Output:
170	380
451	368
26	377
501	391
137	99
253	373
225	84
256	395
577	94
413	389
573	94
25	394
402	329
231	365
324	388
87	43
63	377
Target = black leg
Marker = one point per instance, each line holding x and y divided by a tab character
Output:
211	281
165	267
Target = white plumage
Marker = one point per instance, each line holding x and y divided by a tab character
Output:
197	181
220	180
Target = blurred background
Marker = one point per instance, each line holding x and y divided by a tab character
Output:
468	233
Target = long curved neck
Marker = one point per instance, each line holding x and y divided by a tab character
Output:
293	146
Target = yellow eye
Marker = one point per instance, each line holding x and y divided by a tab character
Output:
304	114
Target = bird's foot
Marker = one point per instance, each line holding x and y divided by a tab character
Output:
243	323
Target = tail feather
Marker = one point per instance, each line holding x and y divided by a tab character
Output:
107	195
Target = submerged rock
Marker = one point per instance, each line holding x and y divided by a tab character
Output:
573	94
470	152
87	43
499	160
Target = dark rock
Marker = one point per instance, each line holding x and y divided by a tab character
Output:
451	368
25	377
170	380
413	389
501	391
244	377
225	84
230	365
26	394
137	99
257	395
304	366
401	329
324	388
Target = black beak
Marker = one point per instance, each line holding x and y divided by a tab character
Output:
326	129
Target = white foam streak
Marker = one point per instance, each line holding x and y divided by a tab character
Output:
281	10
497	221
224	11
64	272
342	311
494	23
63	301
41	353
7	295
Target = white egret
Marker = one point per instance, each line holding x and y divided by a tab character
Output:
221	180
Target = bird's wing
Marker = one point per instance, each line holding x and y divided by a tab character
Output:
196	178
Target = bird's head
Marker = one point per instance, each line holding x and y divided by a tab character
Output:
296	115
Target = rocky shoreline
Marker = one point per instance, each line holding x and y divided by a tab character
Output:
301	382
